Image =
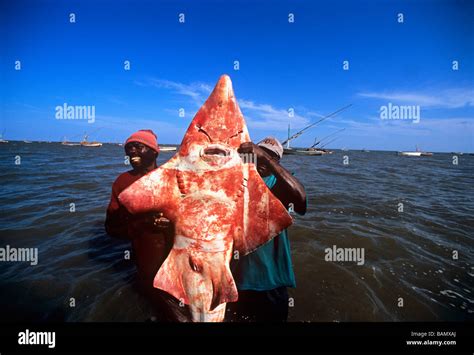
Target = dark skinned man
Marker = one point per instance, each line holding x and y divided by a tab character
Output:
151	234
262	277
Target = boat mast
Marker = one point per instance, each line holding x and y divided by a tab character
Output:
299	133
316	143
288	140
324	145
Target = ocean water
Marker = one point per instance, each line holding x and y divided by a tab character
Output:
412	217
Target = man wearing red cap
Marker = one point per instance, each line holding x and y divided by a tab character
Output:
150	234
142	149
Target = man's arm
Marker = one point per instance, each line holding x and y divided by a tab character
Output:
287	189
116	220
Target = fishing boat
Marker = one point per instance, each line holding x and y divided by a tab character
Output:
167	149
85	143
312	150
1	138
307	151
416	153
67	143
410	154
28	142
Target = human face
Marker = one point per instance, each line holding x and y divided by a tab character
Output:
141	156
263	166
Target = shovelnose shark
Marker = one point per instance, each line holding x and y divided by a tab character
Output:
217	202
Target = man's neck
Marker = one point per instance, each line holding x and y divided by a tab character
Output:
146	169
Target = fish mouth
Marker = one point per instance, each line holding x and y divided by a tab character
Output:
216	154
216	150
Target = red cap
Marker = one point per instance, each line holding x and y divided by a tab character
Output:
145	136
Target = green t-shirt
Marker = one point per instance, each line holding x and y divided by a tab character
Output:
269	266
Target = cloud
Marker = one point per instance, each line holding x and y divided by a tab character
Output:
258	115
166	131
450	98
197	91
265	116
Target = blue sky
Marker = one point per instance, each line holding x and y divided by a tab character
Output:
283	65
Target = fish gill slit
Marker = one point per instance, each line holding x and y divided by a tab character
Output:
200	129
235	135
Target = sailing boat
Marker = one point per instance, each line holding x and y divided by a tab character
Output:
289	150
1	138
314	149
416	153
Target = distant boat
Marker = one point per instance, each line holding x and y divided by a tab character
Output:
28	142
416	153
306	151
66	142
91	144
314	149
167	149
85	143
410	154
1	138
70	144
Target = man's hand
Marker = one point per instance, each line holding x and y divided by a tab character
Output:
160	222
151	221
252	148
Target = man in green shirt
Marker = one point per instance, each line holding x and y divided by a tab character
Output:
262	277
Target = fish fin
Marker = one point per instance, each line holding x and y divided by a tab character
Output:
153	192
168	278
264	217
175	278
